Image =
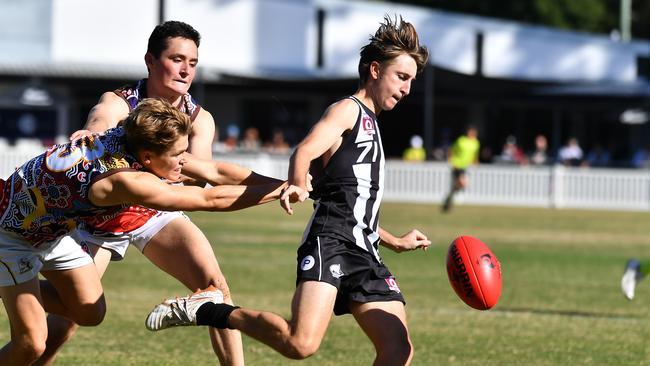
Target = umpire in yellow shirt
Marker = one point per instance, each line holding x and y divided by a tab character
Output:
463	153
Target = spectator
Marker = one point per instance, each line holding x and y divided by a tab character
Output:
232	137
511	153
598	156
251	141
571	154
539	156
641	158
415	152
277	145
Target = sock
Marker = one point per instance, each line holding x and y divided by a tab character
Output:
214	315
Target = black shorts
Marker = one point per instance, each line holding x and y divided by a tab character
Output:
457	173
356	274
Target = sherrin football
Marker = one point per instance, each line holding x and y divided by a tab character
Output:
474	272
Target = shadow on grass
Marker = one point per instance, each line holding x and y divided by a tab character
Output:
569	313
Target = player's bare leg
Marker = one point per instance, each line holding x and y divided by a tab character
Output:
60	328
385	324
300	337
180	246
28	324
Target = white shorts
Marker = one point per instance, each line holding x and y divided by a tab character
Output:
140	237
20	261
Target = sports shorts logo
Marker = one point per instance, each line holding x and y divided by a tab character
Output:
335	270
24	265
307	263
392	284
84	247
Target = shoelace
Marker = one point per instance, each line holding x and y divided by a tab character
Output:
179	311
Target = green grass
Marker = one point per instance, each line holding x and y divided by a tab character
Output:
561	303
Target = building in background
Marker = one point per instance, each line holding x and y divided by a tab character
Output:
275	64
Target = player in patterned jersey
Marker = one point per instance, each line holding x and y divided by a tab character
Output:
97	176
168	239
339	266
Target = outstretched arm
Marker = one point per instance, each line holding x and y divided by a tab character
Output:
412	240
110	110
219	172
142	188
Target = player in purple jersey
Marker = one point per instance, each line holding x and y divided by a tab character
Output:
339	267
96	176
170	240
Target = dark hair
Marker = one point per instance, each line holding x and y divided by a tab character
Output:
392	39
155	125
159	38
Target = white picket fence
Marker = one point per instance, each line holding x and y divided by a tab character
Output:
552	186
556	186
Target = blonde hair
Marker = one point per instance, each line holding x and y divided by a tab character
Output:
393	38
155	125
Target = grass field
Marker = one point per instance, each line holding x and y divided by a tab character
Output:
561	303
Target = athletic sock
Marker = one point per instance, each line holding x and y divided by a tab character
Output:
214	315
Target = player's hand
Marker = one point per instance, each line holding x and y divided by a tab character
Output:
292	194
79	134
308	183
412	240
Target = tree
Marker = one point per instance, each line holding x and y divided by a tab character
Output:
596	16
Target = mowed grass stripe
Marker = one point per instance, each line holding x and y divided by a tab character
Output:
561	302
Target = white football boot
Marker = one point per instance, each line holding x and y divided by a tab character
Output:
181	311
631	278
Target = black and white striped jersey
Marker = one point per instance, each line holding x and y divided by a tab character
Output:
348	190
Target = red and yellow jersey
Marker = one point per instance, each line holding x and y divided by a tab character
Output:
133	217
47	196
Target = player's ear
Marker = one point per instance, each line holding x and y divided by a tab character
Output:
148	60
374	69
145	157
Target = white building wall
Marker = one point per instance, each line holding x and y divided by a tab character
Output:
277	38
25	29
102	32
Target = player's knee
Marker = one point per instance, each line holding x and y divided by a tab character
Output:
90	315
303	348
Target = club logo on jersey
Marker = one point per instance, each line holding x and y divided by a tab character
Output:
24	265
335	270
367	125
392	284
307	263
63	157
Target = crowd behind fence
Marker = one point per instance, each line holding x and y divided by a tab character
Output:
428	182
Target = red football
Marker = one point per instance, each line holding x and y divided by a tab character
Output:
474	272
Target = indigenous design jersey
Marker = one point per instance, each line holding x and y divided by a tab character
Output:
44	198
349	189
133	217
